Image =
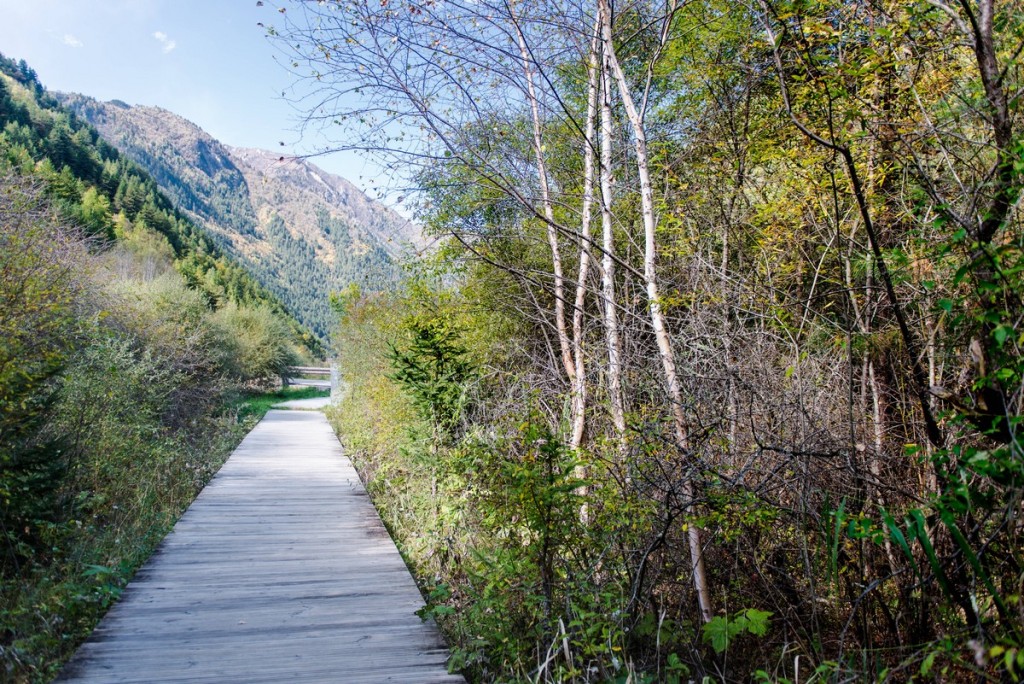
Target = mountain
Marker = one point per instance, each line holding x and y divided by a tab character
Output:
112	198
301	231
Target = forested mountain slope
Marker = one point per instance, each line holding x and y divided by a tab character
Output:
302	231
126	334
108	194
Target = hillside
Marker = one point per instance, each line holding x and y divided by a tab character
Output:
302	231
110	195
128	341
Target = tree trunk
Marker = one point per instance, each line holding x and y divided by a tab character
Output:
611	321
579	395
564	343
661	335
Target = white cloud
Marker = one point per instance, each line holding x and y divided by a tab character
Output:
164	40
71	41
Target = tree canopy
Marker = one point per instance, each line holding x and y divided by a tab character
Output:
756	272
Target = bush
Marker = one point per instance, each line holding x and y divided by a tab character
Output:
37	328
490	514
174	324
260	343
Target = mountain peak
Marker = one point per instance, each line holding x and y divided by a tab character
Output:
302	231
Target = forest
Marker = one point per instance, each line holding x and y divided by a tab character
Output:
717	375
126	341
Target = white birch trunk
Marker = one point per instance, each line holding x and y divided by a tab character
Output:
579	395
665	351
564	343
611	321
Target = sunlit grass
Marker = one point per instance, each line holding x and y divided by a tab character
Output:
252	406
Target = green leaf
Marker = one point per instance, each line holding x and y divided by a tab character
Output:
928	663
897	534
918	529
94	570
717	632
757	621
1001	334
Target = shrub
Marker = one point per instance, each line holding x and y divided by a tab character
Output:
174	324
37	327
260	342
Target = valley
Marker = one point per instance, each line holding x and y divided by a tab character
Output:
301	231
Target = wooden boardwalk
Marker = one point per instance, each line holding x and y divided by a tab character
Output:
281	571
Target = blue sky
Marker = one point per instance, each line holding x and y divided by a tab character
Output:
206	60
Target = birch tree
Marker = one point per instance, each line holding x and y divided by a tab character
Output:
416	84
666	352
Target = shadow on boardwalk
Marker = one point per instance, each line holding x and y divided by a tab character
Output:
281	571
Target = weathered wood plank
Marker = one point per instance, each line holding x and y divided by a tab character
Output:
280	571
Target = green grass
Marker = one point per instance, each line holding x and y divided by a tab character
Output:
252	406
56	598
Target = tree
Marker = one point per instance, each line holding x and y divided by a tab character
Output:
262	342
458	74
797	337
38	326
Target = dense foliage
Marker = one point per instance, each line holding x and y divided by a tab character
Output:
737	288
122	334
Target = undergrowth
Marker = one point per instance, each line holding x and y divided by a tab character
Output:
128	499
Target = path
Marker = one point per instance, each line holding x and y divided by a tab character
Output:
280	571
314	404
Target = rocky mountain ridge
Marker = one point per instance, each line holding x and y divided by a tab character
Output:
302	231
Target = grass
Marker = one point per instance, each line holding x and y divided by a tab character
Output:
54	602
252	406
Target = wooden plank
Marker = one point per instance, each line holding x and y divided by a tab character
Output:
310	370
281	570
